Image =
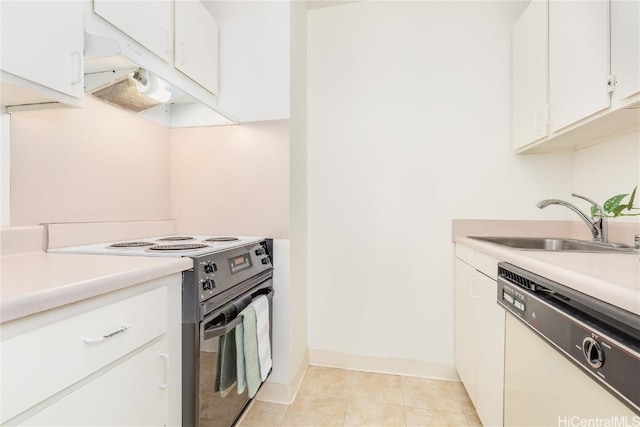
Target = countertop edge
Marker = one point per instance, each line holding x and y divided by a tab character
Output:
607	291
27	304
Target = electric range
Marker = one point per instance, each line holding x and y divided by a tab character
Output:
226	269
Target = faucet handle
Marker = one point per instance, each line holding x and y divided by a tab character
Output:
593	202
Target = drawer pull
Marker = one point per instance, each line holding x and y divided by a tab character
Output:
167	361
123	328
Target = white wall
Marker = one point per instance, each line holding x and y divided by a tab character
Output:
5	169
409	127
96	163
298	192
609	168
254	58
232	179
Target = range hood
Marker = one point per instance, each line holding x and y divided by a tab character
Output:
122	74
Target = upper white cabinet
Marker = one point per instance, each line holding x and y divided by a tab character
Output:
625	47
182	33
530	77
578	60
567	56
196	42
42	52
149	23
255	64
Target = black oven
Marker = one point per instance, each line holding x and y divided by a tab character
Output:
215	294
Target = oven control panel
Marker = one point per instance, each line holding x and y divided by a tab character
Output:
209	267
217	272
207	281
240	263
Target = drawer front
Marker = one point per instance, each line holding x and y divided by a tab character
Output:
131	394
465	254
42	362
487	265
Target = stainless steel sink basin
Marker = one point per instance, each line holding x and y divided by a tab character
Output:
554	244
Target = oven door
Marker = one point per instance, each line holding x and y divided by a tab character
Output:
217	405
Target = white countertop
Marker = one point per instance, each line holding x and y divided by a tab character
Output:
39	281
610	277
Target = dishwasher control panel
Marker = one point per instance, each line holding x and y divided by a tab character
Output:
606	351
511	298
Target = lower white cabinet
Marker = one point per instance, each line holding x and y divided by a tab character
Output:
479	337
111	360
134	393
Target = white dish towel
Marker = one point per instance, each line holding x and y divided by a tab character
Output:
261	306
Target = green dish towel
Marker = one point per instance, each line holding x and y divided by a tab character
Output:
247	351
241	370
226	367
226	364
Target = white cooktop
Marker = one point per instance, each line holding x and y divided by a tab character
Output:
211	247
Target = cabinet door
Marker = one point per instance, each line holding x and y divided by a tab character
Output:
134	393
147	22
197	43
578	60
465	314
28	378
490	353
625	47
529	75
42	42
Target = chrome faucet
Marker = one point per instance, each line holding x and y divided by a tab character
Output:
597	225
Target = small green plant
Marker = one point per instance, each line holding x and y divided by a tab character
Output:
615	206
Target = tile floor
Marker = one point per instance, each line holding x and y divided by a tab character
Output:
340	397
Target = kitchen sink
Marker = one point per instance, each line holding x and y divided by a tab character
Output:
555	244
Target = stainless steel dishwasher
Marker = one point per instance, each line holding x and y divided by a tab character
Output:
570	359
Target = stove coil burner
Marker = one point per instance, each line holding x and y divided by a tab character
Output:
178	247
222	239
174	239
130	245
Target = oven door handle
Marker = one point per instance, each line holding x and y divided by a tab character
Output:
217	331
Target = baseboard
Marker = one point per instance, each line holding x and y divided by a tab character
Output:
284	393
275	393
383	365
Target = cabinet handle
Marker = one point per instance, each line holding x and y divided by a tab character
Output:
472	283
123	328
167	361
549	121
76	66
